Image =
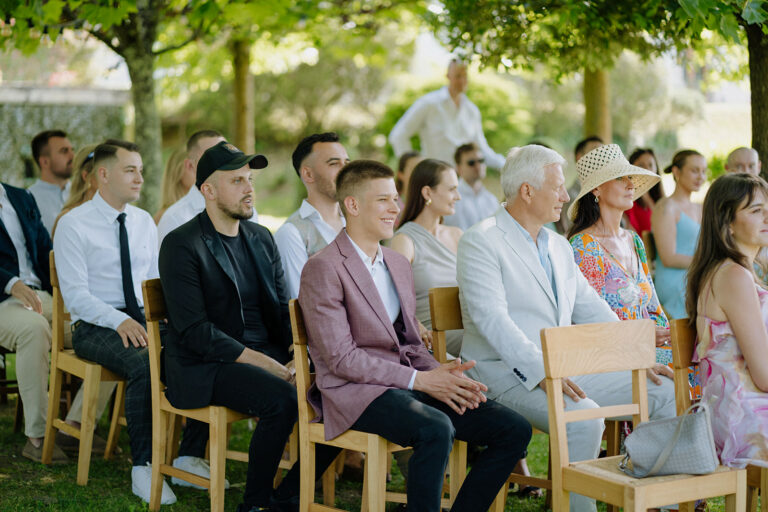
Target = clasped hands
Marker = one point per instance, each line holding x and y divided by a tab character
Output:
448	384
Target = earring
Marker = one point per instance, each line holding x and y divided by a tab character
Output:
429	202
597	200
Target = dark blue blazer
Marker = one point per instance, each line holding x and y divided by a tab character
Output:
35	236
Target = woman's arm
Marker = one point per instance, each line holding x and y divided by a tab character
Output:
664	227
403	244
734	290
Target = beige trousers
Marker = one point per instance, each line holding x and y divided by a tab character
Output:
29	335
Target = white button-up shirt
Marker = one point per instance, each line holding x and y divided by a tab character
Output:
442	127
384	285
50	198
13	226
293	250
472	207
183	210
87	248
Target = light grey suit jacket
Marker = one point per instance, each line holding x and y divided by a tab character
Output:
506	299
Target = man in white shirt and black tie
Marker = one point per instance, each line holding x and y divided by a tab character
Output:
444	119
104	249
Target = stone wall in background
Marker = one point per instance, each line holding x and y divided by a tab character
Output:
20	122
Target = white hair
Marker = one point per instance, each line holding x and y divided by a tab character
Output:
525	165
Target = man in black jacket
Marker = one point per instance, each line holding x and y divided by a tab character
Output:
229	329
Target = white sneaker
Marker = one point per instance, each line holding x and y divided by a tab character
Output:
194	465
141	477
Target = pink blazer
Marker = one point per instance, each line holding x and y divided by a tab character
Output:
353	344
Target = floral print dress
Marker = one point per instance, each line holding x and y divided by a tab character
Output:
631	296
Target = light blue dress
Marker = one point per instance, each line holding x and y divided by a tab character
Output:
671	282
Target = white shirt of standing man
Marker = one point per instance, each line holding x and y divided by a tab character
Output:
444	119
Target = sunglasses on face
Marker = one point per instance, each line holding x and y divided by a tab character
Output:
472	162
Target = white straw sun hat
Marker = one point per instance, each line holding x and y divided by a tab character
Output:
606	163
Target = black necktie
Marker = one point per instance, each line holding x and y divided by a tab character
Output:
131	304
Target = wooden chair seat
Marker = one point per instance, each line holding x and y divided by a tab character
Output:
66	361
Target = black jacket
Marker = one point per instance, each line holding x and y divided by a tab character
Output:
205	313
35	235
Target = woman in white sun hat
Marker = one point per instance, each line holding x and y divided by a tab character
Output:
612	258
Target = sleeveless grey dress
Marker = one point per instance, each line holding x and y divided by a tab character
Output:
434	265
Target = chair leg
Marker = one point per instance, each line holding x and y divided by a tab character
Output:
738	501
687	507
458	465
88	421
114	427
218	444
174	434
329	482
501	499
763	490
548	499
160	421
54	395
18	415
752	495
612	447
307	475
376	473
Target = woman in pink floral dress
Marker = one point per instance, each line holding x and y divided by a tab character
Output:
730	308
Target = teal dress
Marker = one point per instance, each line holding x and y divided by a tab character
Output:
671	282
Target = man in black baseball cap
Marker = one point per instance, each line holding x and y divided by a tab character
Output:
229	329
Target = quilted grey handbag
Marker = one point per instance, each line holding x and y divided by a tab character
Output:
680	445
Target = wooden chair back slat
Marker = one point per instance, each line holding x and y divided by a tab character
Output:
59	314
154	311
599	348
683	338
301	361
445	308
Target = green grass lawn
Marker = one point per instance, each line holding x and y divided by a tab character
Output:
28	486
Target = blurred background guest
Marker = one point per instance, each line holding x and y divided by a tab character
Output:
639	216
177	179
83	184
478	202
675	226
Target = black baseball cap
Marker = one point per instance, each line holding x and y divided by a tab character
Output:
225	157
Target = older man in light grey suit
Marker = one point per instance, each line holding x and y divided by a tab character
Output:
517	277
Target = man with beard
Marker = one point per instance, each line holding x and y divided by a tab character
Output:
317	160
54	154
229	328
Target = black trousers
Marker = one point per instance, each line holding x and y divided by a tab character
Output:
413	418
254	391
104	346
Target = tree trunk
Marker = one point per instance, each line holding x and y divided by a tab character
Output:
147	133
757	43
597	103
245	117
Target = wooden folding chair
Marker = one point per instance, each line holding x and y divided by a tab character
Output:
376	448
616	347
683	346
10	387
93	374
164	414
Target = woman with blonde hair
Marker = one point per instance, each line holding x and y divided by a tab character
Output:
176	182
84	183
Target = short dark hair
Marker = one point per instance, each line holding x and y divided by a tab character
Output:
106	151
583	144
357	172
304	148
40	142
201	134
464	148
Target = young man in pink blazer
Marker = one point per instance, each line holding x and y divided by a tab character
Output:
373	372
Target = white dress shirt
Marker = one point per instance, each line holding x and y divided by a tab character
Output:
293	249
442	127
50	198
472	207
182	212
13	226
384	285
87	248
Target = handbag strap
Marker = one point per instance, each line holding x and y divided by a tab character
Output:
666	452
